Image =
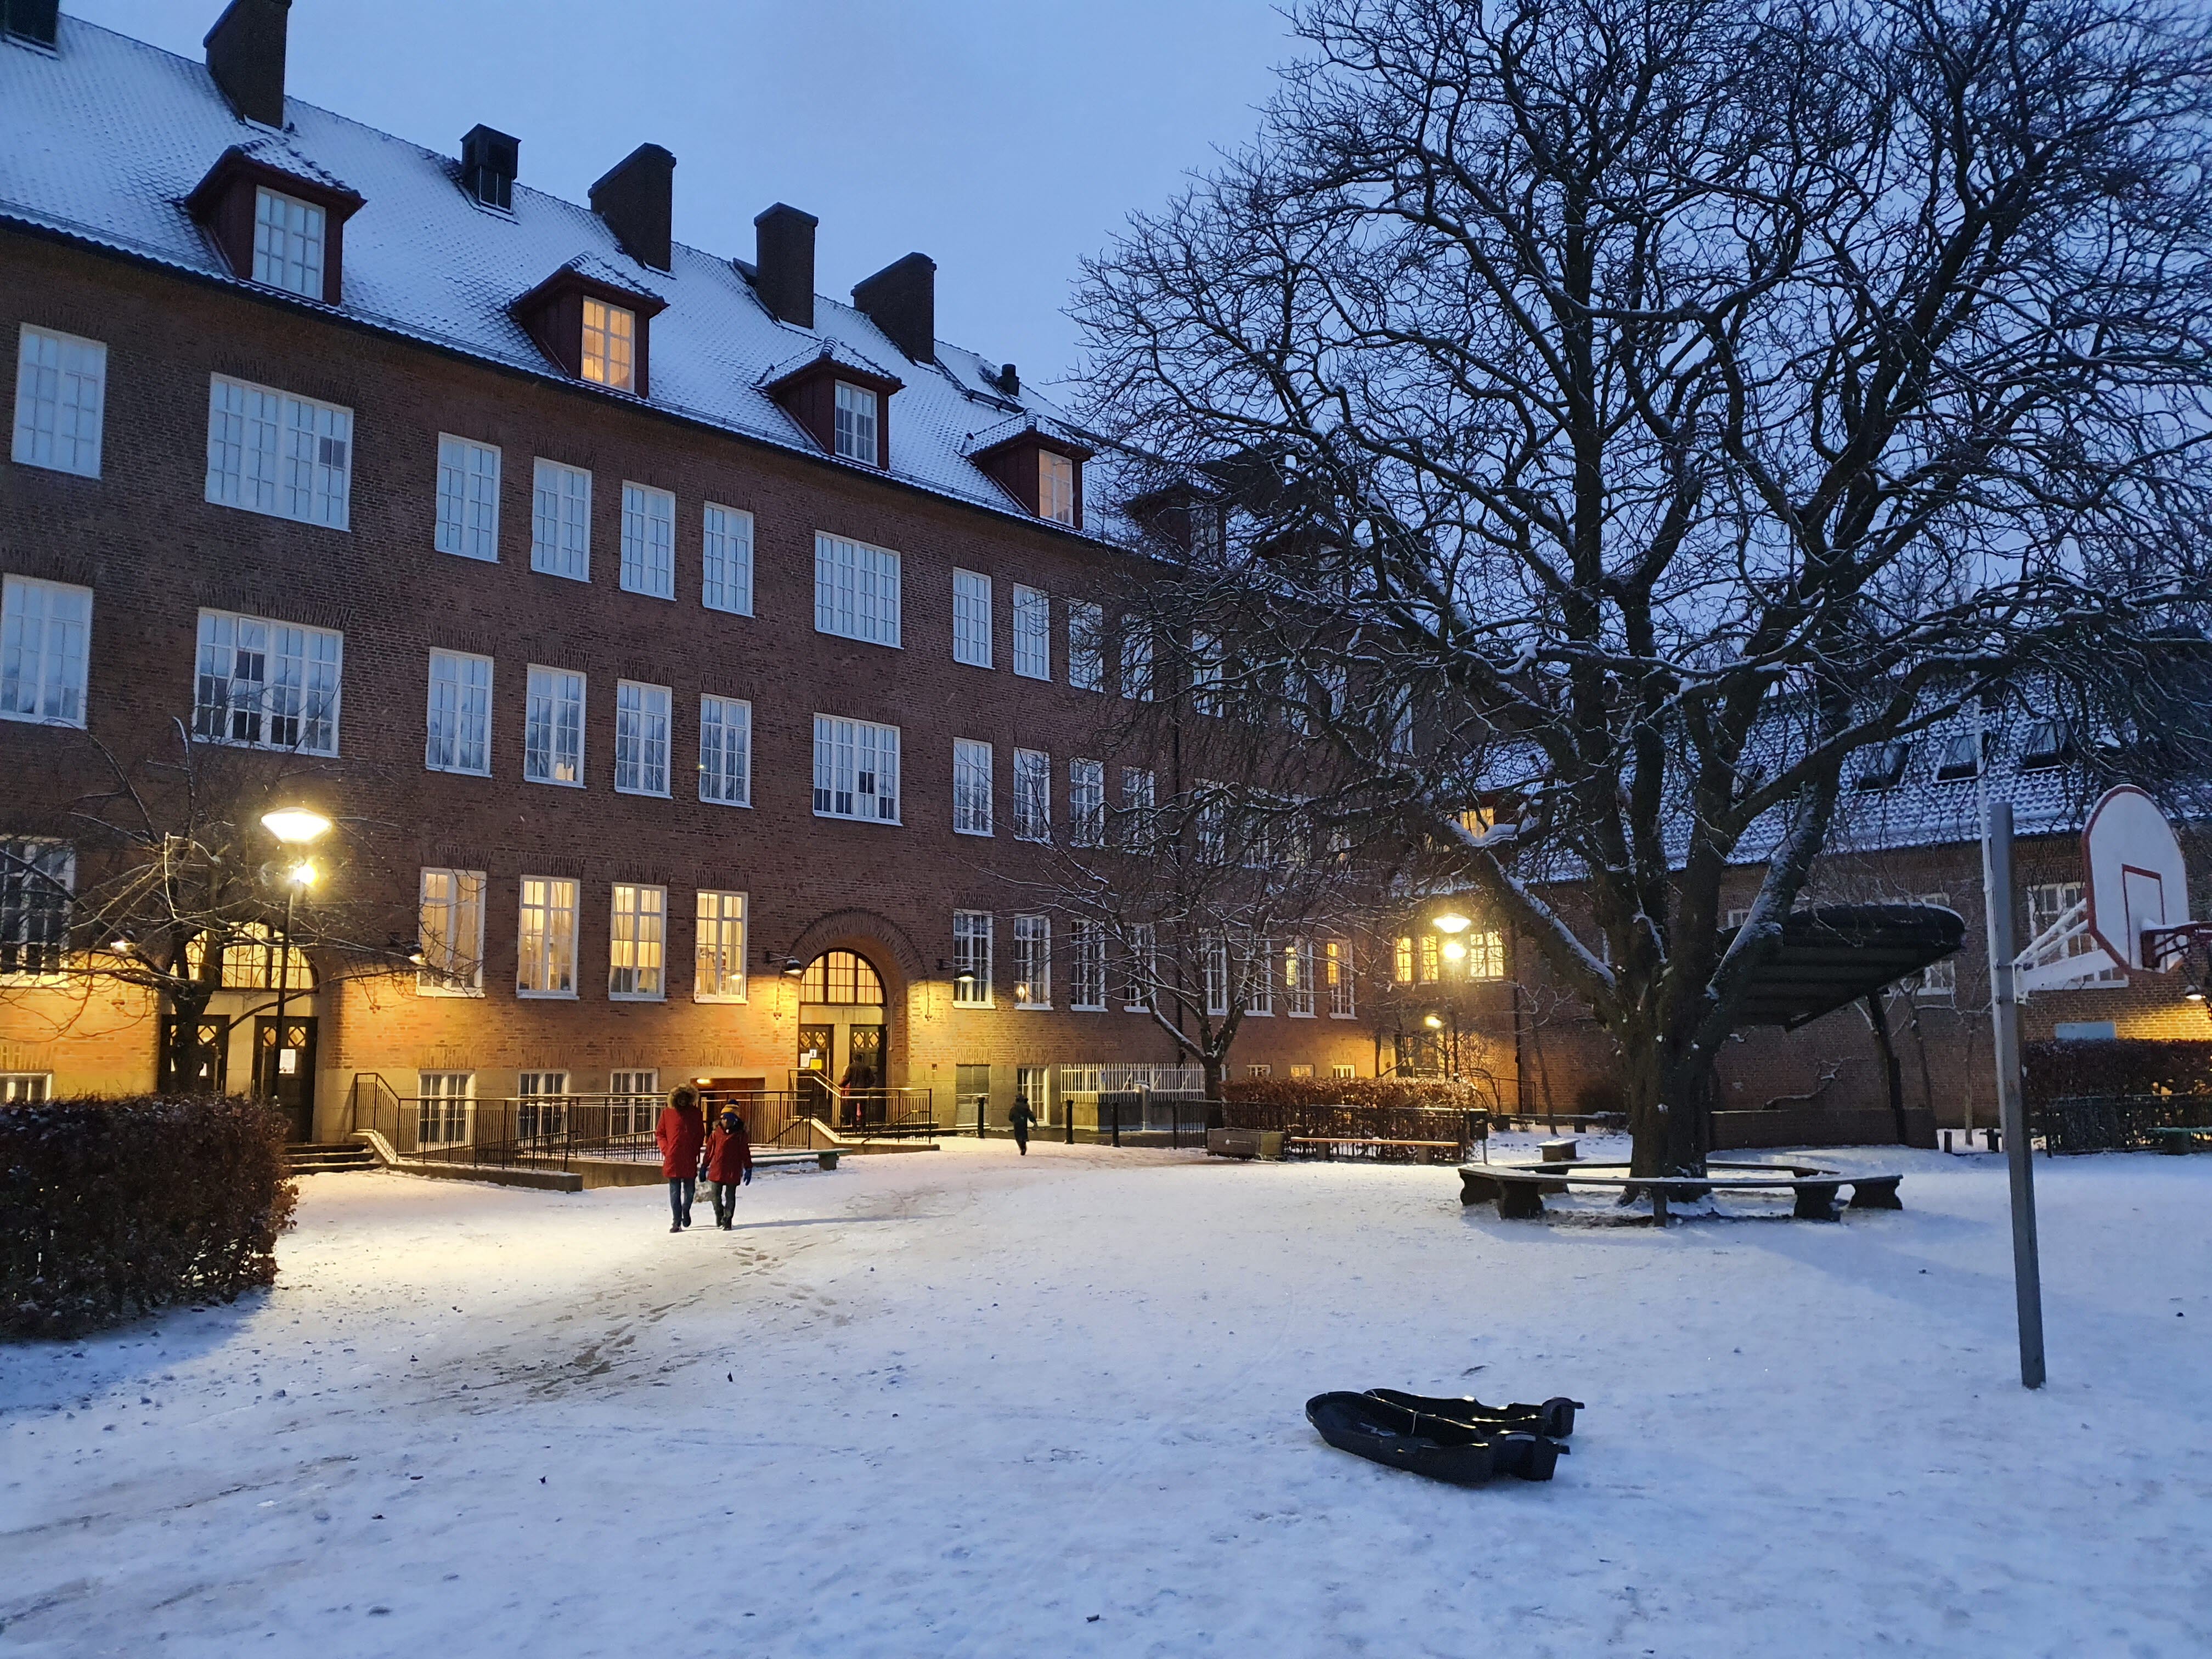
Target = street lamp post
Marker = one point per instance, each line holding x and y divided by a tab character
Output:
1451	925
295	827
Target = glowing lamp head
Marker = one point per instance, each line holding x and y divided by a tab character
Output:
1432	1021
295	826
1451	922
302	875
1455	952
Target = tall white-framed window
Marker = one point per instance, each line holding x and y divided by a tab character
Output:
855	423
545	938
1086	645
1298	979
726	751
468	498
727	559
1206	674
718	975
1086	991
1032	962
269	452
648	541
444	1104
1032	632
1056	488
1938	981
1210	821
856	590
553	727
1136	662
26	1088
1138	816
1486	954
450	933
1336	968
971	958
46	637
561	520
38	882
641	738
1032	795
1214	958
2047	901
637	944
287	243
856	769
971	787
543	1109
267	685
459	735
1086	803
611	345
61	395
1140	969
971	618
1260	981
633	1100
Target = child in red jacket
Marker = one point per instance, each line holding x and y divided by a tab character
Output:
729	1165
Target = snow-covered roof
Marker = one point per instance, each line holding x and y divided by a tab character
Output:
102	139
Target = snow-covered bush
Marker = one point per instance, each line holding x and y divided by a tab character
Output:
110	1208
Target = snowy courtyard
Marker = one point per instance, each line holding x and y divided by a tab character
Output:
961	1403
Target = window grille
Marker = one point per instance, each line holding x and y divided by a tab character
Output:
1336	968
444	1101
971	958
1086	650
1087	990
641	738
1260	981
1298	979
720	972
855	769
725	751
544	1108
842	978
611	345
1032	632
971	618
266	685
1213	957
856	590
46	634
726	558
459	735
287	243
553	727
637	942
648	541
855	423
1086	802
1056	488
1140	969
468	498
22	1088
37	879
451	934
971	787
1032	962
561	520
61	392
269	452
545	941
1032	795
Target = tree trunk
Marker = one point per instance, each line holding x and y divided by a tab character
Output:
1670	1107
1214	1067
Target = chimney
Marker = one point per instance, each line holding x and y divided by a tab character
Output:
245	55
901	299
490	162
636	199
35	21
1010	380
784	263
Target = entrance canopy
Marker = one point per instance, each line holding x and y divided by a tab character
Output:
1834	954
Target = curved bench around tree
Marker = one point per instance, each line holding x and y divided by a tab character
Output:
1518	1189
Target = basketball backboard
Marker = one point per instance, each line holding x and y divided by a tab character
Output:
2136	875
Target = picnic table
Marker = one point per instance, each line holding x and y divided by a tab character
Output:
1518	1189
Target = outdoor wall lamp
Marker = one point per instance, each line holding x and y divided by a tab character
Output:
793	967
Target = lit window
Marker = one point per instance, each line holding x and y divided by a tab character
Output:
648	541
856	423
1137	663
46	629
23	1087
1432	958
1086	802
1298	979
637	942
1032	632
451	934
855	769
1087	655
1485	955
727	560
971	618
545	942
266	685
460	737
1056	488
1088	992
609	345
856	590
721	973
61	388
288	244
1343	1070
971	958
37	879
468	498
1336	968
443	1102
971	787
641	738
844	978
1032	795
1301	1072
1140	969
561	520
553	727
1401	962
269	452
1033	962
726	751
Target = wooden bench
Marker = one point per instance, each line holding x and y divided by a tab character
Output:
1518	1189
826	1158
2183	1141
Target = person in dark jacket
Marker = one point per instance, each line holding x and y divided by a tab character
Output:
729	1165
680	1134
1021	1117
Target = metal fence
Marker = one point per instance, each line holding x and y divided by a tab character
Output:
1387	1134
1119	1102
545	1130
2116	1124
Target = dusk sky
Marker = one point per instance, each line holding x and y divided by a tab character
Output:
1004	138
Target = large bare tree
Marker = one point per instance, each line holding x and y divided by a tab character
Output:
1622	413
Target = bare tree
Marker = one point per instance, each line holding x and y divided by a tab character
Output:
164	877
1625	412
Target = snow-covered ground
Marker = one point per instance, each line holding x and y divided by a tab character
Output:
959	1403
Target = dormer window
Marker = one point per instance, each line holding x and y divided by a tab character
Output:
1056	488
2049	744
287	243
856	422
1041	470
609	344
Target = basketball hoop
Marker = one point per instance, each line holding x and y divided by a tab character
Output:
2138	902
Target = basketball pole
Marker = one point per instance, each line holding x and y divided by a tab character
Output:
2012	1110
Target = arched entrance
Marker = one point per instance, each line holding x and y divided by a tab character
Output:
844	1037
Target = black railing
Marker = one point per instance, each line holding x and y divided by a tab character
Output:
545	1130
1387	1134
898	1114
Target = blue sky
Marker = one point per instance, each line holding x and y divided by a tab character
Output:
1004	138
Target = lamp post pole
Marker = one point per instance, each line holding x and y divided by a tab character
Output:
295	827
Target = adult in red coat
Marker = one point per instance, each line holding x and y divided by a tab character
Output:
729	1165
681	1134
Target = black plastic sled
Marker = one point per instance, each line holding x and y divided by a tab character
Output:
1436	1447
1554	1417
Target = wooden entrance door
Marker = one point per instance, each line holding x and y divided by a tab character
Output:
285	1072
817	1073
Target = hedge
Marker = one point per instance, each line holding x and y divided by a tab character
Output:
2128	1065
1396	1094
113	1208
